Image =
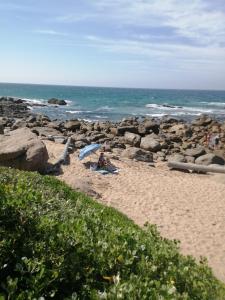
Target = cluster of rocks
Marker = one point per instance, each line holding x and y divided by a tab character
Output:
15	108
143	139
18	108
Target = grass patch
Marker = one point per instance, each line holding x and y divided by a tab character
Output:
56	243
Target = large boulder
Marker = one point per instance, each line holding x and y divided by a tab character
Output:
23	150
209	159
150	144
137	154
195	152
72	125
56	101
132	139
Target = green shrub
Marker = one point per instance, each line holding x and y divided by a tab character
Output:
58	243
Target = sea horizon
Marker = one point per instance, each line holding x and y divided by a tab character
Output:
113	87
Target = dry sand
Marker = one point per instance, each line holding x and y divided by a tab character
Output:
187	207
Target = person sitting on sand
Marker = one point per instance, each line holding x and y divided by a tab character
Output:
216	142
101	161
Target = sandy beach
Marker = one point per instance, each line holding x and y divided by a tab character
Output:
187	207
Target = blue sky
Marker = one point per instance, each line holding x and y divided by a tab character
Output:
141	43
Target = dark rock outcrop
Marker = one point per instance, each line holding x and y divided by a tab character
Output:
57	101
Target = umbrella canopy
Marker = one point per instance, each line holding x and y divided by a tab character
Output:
87	150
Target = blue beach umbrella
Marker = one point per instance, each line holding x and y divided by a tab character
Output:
87	150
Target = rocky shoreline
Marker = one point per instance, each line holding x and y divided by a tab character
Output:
142	139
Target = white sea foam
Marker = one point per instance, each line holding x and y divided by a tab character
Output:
101	117
104	108
178	109
78	111
156	115
35	101
164	106
222	104
86	120
74	111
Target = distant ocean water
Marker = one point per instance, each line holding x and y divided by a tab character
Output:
96	103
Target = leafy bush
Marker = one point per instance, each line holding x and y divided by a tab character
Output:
58	243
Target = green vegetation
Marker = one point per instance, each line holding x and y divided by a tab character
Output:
59	244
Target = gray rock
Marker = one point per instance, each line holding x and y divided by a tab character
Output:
176	158
195	152
1	129
96	137
79	137
132	139
80	144
57	101
150	144
137	154
121	130
151	126
209	159
23	150
46	131
202	121
72	125
19	124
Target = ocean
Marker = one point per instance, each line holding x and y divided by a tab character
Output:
97	103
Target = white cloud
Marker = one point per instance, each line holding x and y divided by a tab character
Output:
181	55
190	18
49	32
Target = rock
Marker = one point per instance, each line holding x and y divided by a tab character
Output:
137	154
31	119
151	126
78	138
80	144
72	125
46	131
56	125
195	152
19	124
176	158
209	159
96	137
150	144
169	120
132	139
142	130
202	121
9	108
60	140
123	129
1	129
178	129
57	101
23	150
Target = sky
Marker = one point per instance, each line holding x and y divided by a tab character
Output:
121	43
